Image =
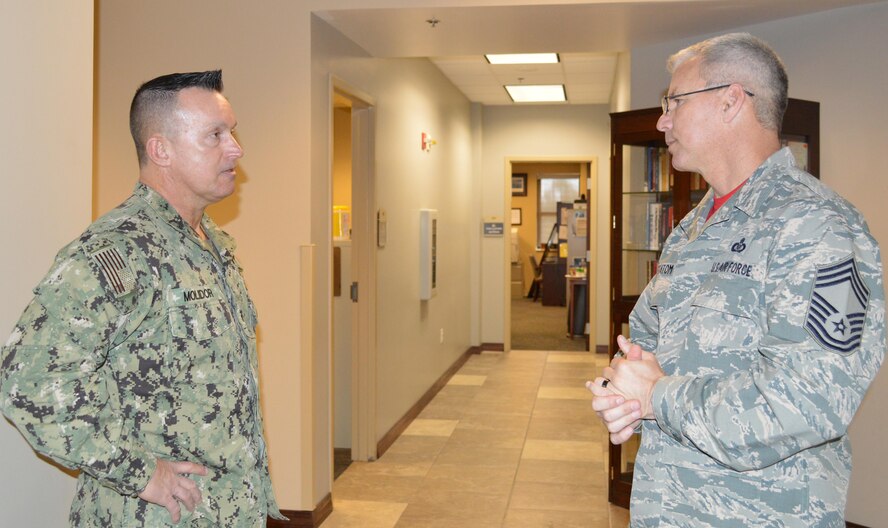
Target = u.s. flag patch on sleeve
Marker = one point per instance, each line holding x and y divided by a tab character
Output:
115	269
837	310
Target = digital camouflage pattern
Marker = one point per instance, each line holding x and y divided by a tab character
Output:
769	321
140	344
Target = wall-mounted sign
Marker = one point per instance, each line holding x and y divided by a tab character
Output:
493	227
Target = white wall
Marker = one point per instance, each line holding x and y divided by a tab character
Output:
545	132
838	59
46	148
411	97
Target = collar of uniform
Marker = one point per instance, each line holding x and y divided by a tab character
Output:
166	211
747	199
693	223
756	190
224	242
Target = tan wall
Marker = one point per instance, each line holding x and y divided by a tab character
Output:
411	96
621	97
283	199
518	134
265	55
46	147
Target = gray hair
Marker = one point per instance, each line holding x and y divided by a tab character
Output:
746	60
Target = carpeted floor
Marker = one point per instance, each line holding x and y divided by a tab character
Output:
538	327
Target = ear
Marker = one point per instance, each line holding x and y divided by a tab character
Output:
157	149
733	100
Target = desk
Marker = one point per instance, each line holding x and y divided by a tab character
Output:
577	288
553	282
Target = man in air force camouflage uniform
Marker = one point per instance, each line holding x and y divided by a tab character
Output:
135	363
755	343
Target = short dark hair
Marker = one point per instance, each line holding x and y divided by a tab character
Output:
155	99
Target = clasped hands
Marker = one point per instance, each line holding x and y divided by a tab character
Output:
622	394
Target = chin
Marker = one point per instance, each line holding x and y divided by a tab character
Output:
679	164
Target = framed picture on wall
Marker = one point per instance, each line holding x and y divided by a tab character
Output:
519	184
516	216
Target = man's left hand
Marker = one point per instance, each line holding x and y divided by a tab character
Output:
634	376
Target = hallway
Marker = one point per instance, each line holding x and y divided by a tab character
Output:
510	442
539	327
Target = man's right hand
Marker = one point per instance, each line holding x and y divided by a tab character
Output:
169	485
619	415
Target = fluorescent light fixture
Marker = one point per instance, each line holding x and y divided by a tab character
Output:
523	58
536	93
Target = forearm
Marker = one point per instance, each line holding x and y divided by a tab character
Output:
750	420
69	417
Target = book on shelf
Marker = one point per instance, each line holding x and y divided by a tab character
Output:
659	223
658	175
652	268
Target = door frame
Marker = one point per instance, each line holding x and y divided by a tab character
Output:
363	382
591	229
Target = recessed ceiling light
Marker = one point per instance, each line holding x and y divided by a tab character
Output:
536	93
523	58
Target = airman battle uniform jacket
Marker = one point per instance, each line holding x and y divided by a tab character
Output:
769	321
140	344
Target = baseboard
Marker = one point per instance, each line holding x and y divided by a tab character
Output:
492	347
601	349
854	525
389	438
304	519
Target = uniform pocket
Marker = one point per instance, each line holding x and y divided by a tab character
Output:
730	296
200	321
726	313
724	328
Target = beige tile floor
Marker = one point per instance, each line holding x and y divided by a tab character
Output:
510	442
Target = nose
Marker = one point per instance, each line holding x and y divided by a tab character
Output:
236	149
664	123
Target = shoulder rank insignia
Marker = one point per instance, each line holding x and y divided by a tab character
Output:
115	269
837	309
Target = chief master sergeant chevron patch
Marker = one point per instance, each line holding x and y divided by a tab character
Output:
837	309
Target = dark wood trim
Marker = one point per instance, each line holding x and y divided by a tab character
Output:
601	349
389	438
492	347
854	525
304	519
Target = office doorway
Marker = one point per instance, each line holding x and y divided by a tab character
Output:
550	244
354	278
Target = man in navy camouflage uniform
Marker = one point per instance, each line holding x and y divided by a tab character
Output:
755	343
135	362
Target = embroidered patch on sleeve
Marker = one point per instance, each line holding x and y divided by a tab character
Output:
115	270
837	309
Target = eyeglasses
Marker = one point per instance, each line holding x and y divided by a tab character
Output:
666	98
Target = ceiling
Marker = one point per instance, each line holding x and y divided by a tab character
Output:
588	37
